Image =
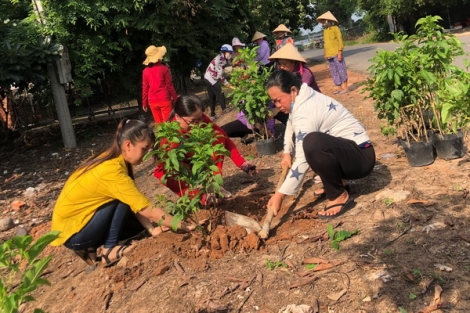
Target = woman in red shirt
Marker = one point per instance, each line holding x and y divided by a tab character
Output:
158	91
188	111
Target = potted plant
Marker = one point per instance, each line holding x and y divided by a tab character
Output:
406	86
452	115
250	97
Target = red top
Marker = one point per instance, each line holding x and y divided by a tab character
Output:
178	187
157	85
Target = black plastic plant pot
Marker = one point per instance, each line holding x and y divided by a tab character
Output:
418	153
265	146
449	146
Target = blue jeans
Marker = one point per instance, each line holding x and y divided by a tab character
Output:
112	222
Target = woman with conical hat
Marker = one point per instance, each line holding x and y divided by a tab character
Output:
158	92
282	36
263	52
288	58
333	51
237	45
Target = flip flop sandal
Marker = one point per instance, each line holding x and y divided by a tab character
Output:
348	205
119	255
88	255
323	194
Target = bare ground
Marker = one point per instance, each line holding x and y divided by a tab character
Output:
413	235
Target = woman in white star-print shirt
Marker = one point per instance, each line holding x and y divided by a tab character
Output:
328	138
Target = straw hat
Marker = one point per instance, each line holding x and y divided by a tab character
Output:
282	28
237	42
154	54
327	16
287	52
257	36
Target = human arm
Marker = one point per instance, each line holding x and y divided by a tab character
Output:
339	38
158	215
169	85
288	143
235	155
275	202
145	91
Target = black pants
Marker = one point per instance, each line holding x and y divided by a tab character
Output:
334	159
282	117
214	92
112	222
236	129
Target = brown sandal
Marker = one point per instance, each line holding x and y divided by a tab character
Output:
119	255
88	255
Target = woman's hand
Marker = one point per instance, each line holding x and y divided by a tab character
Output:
185	227
340	56
145	108
249	168
286	160
275	202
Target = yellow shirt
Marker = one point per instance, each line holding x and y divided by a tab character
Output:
333	41
83	194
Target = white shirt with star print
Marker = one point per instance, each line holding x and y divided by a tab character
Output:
315	112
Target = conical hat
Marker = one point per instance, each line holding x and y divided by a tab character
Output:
282	28
327	16
257	36
287	52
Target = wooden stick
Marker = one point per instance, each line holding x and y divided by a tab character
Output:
264	233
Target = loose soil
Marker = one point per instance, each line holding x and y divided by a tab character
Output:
413	235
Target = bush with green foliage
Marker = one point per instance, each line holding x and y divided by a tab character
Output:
410	85
191	159
21	270
249	94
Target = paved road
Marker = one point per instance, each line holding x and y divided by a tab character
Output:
357	57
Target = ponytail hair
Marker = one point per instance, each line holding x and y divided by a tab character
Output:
133	130
284	80
185	106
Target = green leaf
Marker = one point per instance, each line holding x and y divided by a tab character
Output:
310	266
331	231
41	243
335	245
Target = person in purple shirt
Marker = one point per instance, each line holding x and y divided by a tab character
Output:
263	52
289	59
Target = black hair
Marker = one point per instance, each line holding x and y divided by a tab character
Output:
133	130
185	106
284	80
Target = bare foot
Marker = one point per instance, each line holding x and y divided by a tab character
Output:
336	209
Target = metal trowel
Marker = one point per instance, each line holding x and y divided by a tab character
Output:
232	219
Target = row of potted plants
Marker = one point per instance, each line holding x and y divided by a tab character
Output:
421	95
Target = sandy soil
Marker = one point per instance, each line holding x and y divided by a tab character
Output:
413	235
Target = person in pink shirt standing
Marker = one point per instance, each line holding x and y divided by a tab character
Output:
158	91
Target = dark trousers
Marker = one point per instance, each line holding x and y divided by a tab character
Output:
112	222
334	159
214	92
282	117
236	129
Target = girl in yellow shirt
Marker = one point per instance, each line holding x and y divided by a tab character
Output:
100	203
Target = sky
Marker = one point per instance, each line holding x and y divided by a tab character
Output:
317	28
